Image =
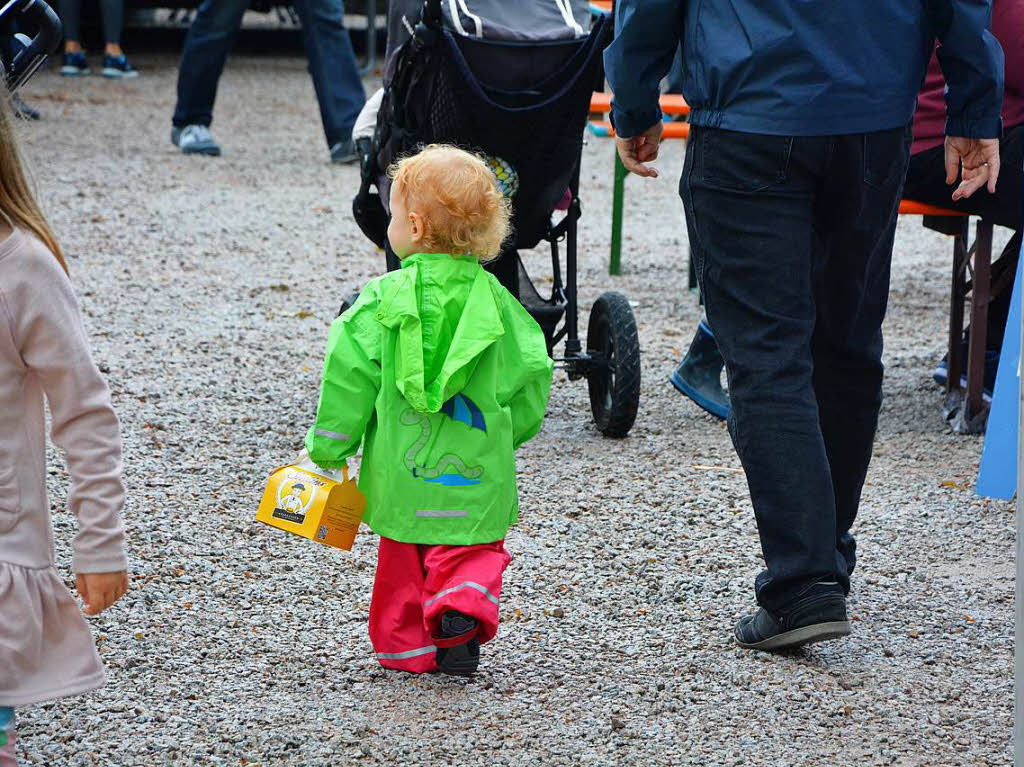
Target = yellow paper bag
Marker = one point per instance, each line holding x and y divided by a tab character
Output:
308	501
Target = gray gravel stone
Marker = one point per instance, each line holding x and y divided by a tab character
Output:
207	287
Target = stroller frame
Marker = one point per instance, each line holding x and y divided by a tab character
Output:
610	362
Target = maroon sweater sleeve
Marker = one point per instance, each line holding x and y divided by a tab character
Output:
930	117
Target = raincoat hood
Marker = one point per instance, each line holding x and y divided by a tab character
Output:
446	315
439	374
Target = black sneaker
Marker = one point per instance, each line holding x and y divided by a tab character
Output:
462	659
819	614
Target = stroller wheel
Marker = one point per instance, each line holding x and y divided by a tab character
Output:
614	382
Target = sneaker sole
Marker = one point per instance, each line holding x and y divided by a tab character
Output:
117	74
209	151
817	632
702	402
73	72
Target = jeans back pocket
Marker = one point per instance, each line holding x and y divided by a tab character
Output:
742	162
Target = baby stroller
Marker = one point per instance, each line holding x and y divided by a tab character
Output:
21	55
511	81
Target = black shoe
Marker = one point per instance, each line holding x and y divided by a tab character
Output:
463	659
819	614
699	375
23	110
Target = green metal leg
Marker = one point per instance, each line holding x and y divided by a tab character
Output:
618	190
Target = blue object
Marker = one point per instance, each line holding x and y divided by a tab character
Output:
789	68
453	480
462	408
997	477
74	64
118	68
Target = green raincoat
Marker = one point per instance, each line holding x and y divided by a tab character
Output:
441	374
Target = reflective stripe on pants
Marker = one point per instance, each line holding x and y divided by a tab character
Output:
416	584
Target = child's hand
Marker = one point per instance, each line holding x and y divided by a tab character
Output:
100	590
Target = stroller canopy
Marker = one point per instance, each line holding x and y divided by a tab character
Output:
518	21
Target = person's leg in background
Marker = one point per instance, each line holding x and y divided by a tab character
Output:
926	182
207	44
749	202
332	64
855	225
699	375
73	63
115	64
398	634
460	601
7	755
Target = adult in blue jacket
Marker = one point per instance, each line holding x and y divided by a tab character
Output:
793	175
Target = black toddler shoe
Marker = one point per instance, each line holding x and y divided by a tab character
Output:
462	659
819	614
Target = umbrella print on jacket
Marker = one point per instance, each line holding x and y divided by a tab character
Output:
462	408
449	470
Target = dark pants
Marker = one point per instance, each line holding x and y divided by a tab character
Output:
332	63
792	240
926	182
111	11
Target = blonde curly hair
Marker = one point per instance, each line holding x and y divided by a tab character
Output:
456	194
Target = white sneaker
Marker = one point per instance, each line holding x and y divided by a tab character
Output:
195	139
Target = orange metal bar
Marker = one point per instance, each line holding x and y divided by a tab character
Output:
669	130
671	103
912	208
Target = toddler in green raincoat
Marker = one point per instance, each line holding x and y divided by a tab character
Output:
440	374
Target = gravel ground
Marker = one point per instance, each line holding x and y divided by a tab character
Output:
207	287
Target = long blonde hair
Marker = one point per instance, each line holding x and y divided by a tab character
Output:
17	202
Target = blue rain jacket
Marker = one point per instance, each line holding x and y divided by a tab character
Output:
806	67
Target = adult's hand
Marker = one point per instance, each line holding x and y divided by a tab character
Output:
637	150
980	160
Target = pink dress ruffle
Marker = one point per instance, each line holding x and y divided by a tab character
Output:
46	648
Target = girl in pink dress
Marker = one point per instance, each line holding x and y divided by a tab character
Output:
46	649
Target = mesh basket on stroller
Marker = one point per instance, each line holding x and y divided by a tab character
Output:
523	105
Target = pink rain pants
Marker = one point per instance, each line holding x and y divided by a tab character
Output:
416	584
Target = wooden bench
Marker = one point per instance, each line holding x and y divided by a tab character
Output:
963	407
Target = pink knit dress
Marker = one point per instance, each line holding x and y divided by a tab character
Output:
46	648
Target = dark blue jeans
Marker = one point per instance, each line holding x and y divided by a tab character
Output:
792	241
332	63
